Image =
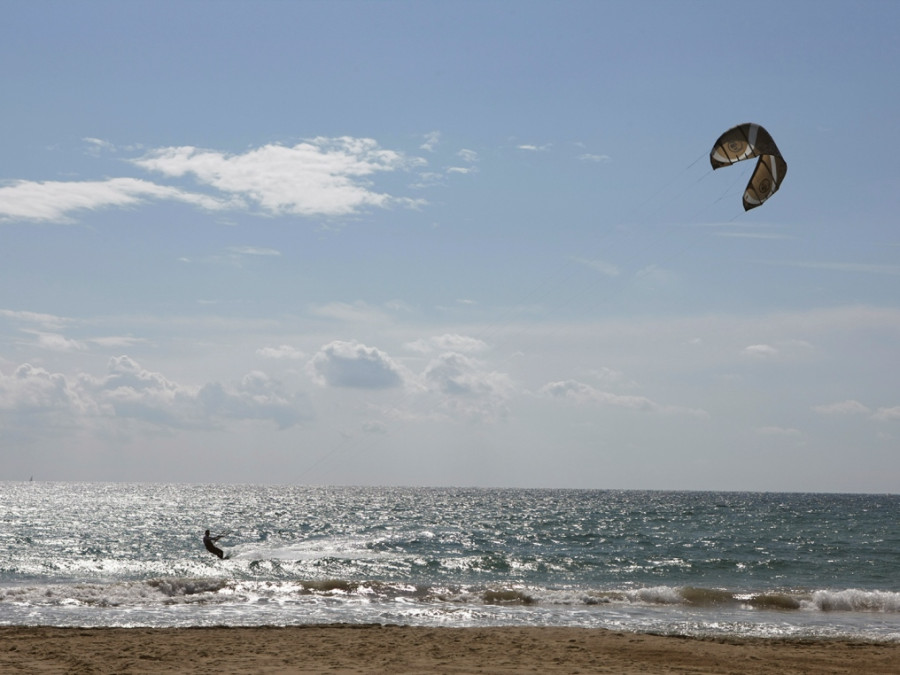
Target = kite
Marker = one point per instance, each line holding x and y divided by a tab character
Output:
746	141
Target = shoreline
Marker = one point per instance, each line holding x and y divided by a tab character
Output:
376	648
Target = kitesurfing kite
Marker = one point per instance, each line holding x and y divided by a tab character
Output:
746	141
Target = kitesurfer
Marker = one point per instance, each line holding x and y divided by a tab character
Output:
210	544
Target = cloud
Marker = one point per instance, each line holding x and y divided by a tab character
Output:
58	343
605	268
256	396
129	391
35	390
584	393
856	408
843	408
281	352
253	251
863	268
887	414
117	341
355	365
534	148
53	201
760	351
468	389
431	141
599	159
45	320
461	375
320	177
447	342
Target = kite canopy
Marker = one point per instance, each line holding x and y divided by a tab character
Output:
746	141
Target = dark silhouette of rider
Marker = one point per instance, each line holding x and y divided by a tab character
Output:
210	544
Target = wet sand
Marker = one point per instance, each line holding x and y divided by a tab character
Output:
396	649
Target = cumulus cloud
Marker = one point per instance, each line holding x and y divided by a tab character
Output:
459	374
583	393
35	390
468	387
355	365
130	391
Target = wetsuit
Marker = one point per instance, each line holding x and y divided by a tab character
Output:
209	543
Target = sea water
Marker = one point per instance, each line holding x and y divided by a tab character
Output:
685	563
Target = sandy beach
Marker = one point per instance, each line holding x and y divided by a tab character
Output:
396	649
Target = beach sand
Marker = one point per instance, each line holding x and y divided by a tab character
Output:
397	649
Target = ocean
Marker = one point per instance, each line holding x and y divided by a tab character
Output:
675	563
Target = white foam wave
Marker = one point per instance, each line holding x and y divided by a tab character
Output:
855	600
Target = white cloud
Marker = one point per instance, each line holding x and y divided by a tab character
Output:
58	343
320	177
605	268
599	159
760	351
45	320
447	342
355	365
281	352
431	141
843	408
534	148
53	201
864	268
458	374
116	341
468	388
129	391
584	393
468	155
37	391
887	414
253	251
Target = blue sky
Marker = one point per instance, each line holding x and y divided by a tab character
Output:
432	243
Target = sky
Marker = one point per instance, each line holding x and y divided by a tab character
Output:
449	244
